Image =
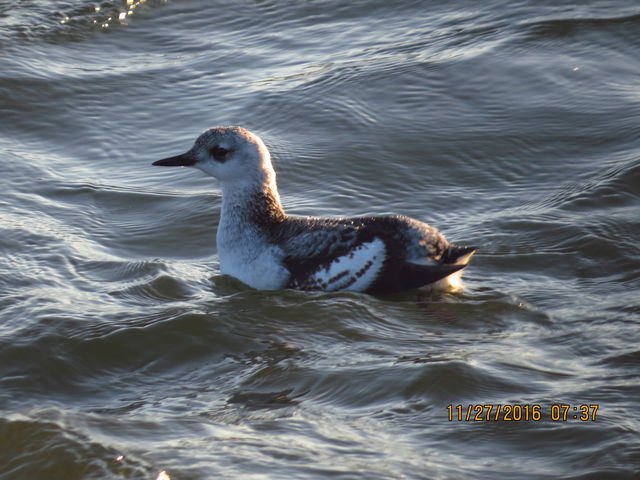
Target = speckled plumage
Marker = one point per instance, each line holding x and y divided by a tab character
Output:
262	246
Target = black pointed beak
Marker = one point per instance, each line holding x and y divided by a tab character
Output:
184	160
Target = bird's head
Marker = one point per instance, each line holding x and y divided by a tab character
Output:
230	154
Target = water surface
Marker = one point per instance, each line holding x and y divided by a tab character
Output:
124	353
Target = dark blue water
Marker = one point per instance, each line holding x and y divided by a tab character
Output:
514	126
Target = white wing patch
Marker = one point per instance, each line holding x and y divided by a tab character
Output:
354	271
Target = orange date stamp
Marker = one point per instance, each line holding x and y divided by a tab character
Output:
521	412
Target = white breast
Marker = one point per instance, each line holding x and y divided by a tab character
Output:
258	267
244	255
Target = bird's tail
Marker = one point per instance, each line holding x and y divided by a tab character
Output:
455	255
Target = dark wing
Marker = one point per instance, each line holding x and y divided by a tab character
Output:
381	248
314	246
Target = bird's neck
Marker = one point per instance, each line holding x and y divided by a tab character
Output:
253	205
249	221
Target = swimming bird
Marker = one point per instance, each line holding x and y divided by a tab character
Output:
259	244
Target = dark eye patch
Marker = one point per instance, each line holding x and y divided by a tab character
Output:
219	153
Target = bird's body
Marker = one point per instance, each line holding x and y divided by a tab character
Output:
266	249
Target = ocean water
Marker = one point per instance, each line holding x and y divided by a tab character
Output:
513	126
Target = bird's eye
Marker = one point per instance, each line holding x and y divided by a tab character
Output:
219	153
